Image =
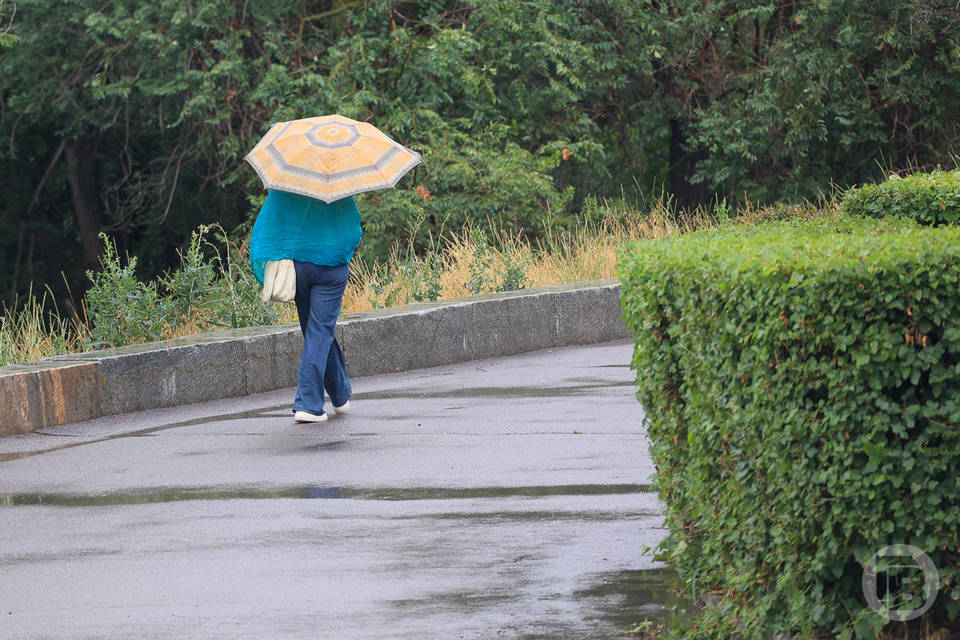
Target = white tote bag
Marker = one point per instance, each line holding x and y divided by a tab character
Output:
279	281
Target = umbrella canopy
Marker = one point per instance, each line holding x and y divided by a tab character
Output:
329	157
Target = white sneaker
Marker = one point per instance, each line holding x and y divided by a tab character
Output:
343	409
303	416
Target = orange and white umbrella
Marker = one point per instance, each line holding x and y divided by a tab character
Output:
329	157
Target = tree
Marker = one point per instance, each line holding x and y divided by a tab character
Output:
788	98
134	117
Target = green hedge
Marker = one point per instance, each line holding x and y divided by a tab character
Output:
929	198
801	383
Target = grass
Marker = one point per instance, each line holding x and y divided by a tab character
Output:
214	289
472	262
36	331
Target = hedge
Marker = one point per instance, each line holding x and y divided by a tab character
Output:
929	198
801	384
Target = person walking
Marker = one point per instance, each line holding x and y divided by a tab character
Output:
313	167
320	239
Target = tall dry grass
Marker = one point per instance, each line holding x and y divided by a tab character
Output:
34	330
469	262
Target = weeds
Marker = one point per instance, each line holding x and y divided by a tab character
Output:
211	289
219	291
480	267
122	309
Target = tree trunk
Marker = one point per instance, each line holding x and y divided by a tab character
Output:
682	165
85	194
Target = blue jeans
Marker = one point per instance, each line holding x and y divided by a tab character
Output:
319	294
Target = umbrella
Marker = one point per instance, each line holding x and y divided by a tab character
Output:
329	157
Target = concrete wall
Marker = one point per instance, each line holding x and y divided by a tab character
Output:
224	364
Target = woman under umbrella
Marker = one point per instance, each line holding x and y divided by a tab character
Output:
320	238
313	167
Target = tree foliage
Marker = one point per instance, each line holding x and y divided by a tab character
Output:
133	118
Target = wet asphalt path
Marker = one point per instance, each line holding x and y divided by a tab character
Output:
503	498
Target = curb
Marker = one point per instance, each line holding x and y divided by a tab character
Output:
223	364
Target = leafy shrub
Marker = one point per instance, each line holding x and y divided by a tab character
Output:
194	285
929	198
209	290
800	382
427	285
123	309
216	290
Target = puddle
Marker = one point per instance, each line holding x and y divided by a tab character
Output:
335	445
615	603
544	516
313	493
577	387
448	493
626	599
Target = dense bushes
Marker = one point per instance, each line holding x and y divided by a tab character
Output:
801	384
929	198
138	117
